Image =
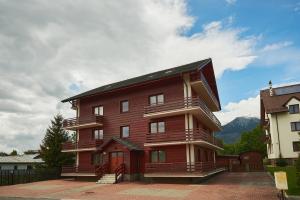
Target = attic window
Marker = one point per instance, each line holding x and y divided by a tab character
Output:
150	76
108	86
169	71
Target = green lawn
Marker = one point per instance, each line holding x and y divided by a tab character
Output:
291	176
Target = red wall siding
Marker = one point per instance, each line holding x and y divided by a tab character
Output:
138	99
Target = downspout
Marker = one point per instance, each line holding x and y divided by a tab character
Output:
278	135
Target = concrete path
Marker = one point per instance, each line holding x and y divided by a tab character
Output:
226	186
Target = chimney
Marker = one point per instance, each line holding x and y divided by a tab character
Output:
270	88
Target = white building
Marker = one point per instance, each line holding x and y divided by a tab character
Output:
281	120
21	162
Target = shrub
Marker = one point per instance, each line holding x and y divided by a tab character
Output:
281	162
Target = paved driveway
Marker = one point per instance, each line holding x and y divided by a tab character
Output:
226	186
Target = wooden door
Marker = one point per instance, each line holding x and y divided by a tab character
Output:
116	158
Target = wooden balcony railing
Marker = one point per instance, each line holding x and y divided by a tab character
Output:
79	169
183	135
180	104
180	167
201	77
81	144
73	123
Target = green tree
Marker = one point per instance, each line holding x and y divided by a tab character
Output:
52	143
13	153
249	141
3	154
253	141
29	152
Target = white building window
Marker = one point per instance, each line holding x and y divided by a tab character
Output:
295	126
293	109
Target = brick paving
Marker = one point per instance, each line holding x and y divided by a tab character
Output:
226	186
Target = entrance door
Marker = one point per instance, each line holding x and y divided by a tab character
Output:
116	158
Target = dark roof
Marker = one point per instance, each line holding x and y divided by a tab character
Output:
128	144
148	77
277	102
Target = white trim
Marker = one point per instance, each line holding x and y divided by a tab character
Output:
199	142
83	125
79	150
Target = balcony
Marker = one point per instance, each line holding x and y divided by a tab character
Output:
79	170
85	145
196	136
82	122
200	85
181	169
193	106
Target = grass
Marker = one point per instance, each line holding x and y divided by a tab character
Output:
294	189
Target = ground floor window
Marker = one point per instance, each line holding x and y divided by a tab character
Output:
96	159
296	146
158	156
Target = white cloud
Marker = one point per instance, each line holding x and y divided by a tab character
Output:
50	50
277	46
245	108
231	2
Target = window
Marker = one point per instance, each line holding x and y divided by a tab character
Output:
98	110
124	131
156	99
124	106
157	127
29	167
158	156
296	146
16	167
98	134
96	159
294	109
295	126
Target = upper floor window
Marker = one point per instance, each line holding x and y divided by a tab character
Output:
98	110
157	127
124	131
158	156
124	106
295	126
98	134
296	146
294	109
156	99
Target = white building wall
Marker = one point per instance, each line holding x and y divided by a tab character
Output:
286	136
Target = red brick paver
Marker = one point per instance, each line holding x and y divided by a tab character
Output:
226	186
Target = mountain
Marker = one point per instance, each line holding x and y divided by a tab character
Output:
232	131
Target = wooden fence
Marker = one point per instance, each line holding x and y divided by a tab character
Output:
11	177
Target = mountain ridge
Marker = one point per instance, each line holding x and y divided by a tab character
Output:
231	132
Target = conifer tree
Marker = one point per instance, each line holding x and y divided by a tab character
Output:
52	144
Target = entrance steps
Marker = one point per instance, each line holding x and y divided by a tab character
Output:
107	179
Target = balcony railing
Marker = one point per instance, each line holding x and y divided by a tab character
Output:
81	144
82	122
183	136
185	103
201	77
180	167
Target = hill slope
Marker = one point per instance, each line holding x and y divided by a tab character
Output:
232	131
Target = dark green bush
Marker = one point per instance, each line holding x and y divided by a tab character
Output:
281	162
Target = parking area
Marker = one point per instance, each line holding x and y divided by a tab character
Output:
225	186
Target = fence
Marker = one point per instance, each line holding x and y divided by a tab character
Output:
11	177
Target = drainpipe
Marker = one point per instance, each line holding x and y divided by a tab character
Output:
278	135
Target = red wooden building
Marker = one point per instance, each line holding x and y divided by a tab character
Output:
156	125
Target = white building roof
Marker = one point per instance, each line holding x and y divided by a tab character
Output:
20	159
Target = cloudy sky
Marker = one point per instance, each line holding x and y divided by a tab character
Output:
50	50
